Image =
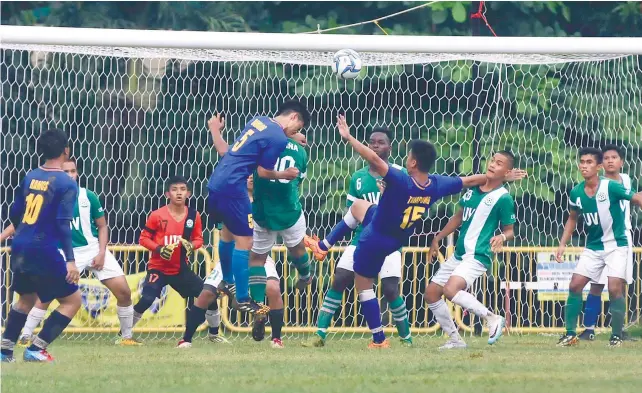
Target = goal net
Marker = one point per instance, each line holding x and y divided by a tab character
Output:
138	115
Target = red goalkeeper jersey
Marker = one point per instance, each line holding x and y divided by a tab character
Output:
162	229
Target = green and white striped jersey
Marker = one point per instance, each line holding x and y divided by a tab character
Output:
603	214
84	231
481	216
626	182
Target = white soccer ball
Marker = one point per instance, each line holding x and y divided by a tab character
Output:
346	64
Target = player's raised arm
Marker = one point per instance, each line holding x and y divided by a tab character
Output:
377	164
637	199
479	180
452	225
288	174
216	125
569	228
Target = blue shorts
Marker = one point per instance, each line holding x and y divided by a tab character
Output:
234	213
372	248
46	284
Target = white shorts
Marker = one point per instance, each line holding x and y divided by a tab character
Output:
85	257
629	265
264	239
270	269
469	269
391	265
611	263
215	277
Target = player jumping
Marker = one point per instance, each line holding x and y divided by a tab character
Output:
364	185
613	160
41	214
388	226
260	145
89	236
600	203
481	211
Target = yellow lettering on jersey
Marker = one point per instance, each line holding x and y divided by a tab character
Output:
259	125
39	185
419	200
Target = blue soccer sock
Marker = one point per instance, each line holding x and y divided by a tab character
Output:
195	317
240	266
15	322
372	313
225	250
592	310
53	326
344	227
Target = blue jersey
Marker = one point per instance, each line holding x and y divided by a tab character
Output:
44	198
405	202
261	143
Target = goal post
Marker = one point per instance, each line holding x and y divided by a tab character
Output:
136	102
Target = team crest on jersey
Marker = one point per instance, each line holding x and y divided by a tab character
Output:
468	195
95	299
488	201
83	203
159	302
601	196
189	223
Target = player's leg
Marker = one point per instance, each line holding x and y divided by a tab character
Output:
390	280
462	277
275	301
213	318
616	265
225	250
356	214
592	310
154	283
23	285
262	242
36	315
188	284
343	277
68	297
438	306
225	247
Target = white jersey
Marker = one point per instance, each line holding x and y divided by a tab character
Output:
626	182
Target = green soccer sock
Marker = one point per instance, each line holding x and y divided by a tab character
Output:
258	279
572	311
400	316
331	304
618	309
302	265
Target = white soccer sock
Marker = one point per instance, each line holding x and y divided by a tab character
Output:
126	318
470	302
350	220
34	318
443	317
213	318
136	318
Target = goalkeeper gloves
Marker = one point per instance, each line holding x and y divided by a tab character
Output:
167	251
189	247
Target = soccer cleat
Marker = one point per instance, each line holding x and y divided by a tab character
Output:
406	342
129	342
587	335
454	343
496	325
184	344
315	341
7	358
568	340
24	341
258	327
277	343
382	345
218	338
40	356
615	341
229	290
312	242
253	307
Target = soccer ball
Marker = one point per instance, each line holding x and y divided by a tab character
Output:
346	64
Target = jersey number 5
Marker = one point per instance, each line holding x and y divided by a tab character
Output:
412	214
32	211
243	139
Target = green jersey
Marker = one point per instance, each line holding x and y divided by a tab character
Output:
276	203
482	213
363	185
84	231
603	214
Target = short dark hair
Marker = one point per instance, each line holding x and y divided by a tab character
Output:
620	151
176	180
425	154
297	107
595	152
508	154
52	143
383	130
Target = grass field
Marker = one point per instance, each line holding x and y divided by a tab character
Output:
515	364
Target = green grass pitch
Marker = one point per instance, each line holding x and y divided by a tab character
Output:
515	364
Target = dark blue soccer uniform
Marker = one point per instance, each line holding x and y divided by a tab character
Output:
44	202
261	143
388	226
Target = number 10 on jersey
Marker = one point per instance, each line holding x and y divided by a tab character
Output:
412	214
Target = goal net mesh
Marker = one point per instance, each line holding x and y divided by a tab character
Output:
136	116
